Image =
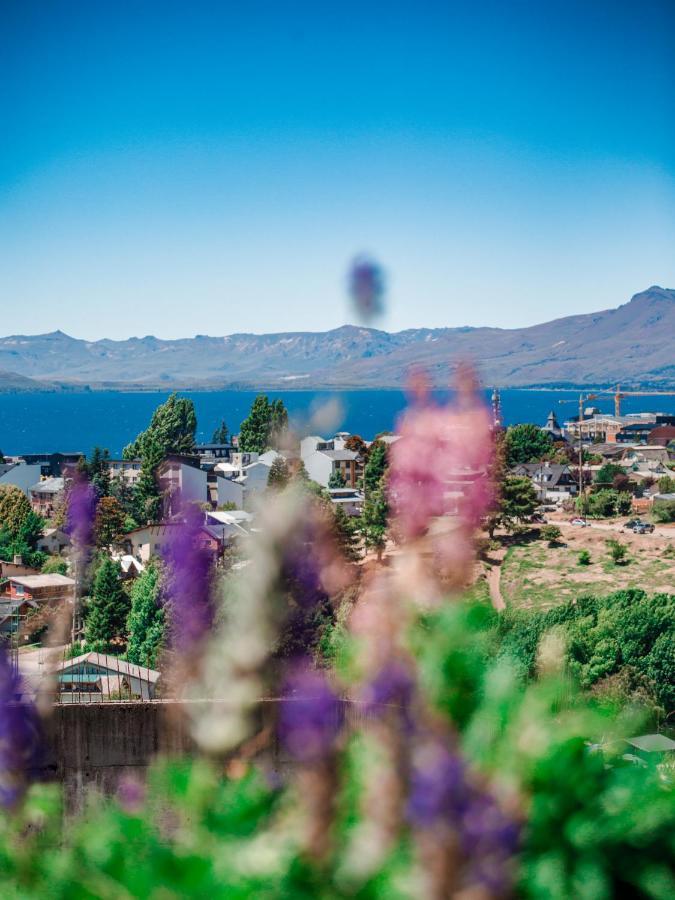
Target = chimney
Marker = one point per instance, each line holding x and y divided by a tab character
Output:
18	559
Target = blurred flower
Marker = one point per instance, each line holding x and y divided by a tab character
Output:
451	810
366	287
81	513
187	590
19	735
310	716
131	794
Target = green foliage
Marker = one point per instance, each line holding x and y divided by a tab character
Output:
147	498
108	607
584	558
550	533
624	503
221	434
518	499
617	551
607	473
336	479
346	534
375	467
20	527
604	504
110	521
172	430
15	509
373	521
145	622
54	565
526	443
96	470
663	511
666	484
265	427
279	474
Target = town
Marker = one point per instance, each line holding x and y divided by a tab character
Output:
616	472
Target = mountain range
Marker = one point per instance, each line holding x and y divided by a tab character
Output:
633	344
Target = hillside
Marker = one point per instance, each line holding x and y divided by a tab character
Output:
632	344
12	383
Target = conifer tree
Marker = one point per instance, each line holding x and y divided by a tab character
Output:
255	430
279	474
145	623
220	435
108	606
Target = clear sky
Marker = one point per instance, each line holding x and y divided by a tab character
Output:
175	168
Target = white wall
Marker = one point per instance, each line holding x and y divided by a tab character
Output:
319	467
193	485
308	445
230	492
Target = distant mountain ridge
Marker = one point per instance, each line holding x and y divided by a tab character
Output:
633	344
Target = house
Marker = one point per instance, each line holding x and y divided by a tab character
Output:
45	495
149	540
20	475
126	470
12	612
215	452
101	676
53	541
349	499
130	567
321	464
54	465
233	524
181	480
244	476
41	588
553	483
597	426
552	427
16	568
662	435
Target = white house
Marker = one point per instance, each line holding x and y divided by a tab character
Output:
321	464
182	481
104	677
54	541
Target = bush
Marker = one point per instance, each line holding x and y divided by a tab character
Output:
664	511
550	533
584	558
617	551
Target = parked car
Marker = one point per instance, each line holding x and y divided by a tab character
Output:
582	522
631	523
539	519
643	528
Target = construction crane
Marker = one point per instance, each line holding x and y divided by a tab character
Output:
619	395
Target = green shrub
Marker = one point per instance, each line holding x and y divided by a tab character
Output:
584	558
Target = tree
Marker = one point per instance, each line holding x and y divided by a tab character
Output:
526	443
375	467
172	429
96	470
221	434
663	511
278	424
336	479
147	497
346	534
145	623
108	606
110	521
255	430
356	443
666	484
518	501
279	474
55	566
607	473
15	509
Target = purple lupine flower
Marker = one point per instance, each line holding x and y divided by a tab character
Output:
130	794
81	514
19	736
366	287
302	567
442	792
310	715
392	686
187	590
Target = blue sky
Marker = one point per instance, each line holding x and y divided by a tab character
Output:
181	168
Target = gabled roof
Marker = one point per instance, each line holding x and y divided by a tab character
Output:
339	455
112	663
49	486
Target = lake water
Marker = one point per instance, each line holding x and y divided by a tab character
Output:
34	423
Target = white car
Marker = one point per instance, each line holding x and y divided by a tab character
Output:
582	522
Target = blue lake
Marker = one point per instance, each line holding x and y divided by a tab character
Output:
33	423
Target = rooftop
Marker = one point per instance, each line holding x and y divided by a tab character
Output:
48	486
39	581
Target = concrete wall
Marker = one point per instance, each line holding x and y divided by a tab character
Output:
93	745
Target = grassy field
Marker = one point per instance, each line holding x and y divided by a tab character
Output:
535	575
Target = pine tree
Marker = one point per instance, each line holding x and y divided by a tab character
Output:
278	424
255	430
147	498
220	435
346	534
172	428
279	474
373	522
108	606
145	623
375	467
110	521
336	479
